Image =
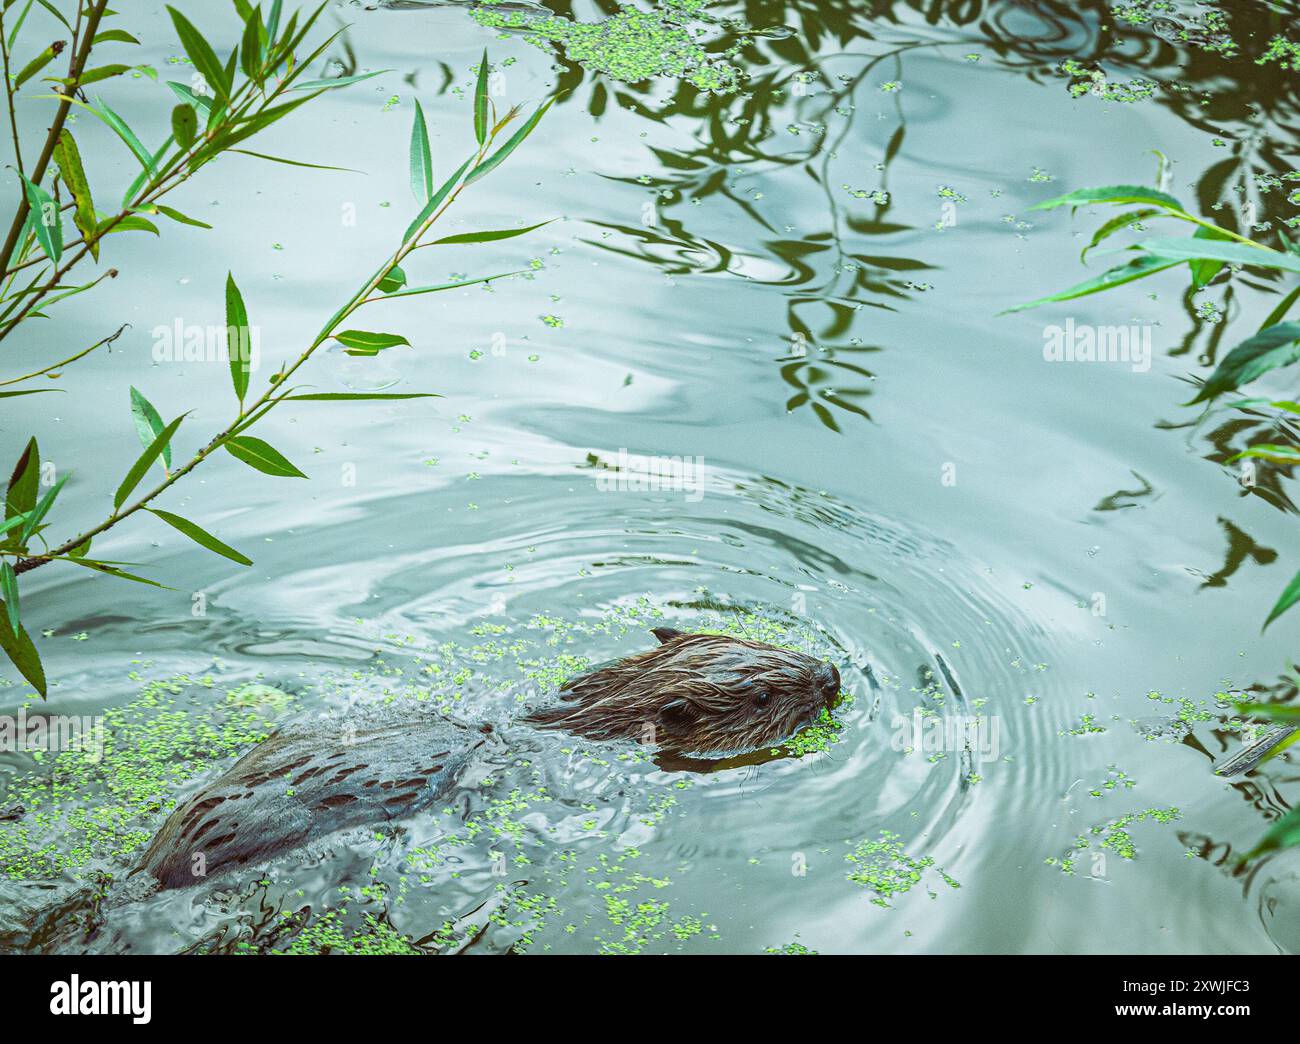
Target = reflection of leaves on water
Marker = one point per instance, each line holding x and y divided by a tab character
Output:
1241	547
1124	498
1239	432
816	385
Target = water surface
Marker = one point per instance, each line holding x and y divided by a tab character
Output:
795	288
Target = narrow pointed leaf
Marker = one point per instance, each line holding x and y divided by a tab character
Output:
481	101
497	158
68	157
1115	224
1284	833
24	482
148	424
201	536
1111	194
104	72
364	342
413	290
295	163
183	219
1279	313
354	396
114	36
250	47
130	223
1289	598
421	161
9	592
1268	451
340	81
34	66
1269	349
200	52
258	454
145	461
112	570
435	201
123	131
47	223
20	649
487	237
1111	278
273	20
38	513
185	94
1190	248
238	339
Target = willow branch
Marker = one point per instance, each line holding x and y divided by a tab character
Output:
76	66
71	359
269	398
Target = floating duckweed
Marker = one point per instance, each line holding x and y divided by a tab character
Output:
1092	80
1208	311
1114	835
631	45
878	196
1115	779
792	949
1087	726
94	808
883	867
1283	52
328	934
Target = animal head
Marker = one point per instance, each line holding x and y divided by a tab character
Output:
704	694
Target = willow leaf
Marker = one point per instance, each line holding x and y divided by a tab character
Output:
421	160
20	649
144	462
148	423
201	536
262	456
497	158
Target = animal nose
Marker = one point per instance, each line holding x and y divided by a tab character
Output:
828	681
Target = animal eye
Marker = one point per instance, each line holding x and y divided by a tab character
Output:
763	698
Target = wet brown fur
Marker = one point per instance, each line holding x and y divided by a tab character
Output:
697	693
694	694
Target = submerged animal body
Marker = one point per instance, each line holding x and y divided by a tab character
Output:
695	693
307	780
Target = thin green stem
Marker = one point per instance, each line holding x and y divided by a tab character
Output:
269	399
1182	215
71	359
81	45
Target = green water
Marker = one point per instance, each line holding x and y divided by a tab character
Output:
794	286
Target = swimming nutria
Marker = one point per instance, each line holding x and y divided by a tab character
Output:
703	694
706	694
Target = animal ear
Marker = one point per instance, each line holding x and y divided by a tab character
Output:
667	634
677	717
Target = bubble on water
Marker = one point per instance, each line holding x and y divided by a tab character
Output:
362	373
